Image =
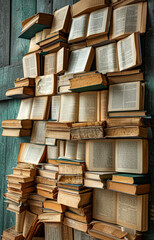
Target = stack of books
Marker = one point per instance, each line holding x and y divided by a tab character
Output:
84	174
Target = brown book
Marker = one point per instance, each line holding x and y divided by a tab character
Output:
20	186
51	38
11	234
45	85
39	18
48	174
58	130
71	179
51	217
54	47
74	200
45	180
122	122
15	123
134	189
20	92
125	76
137	21
54	205
119	56
71	169
126	114
77	46
61	20
71	187
15	197
82	211
76	224
110	206
19	178
97	41
129	131
24	172
38	132
29	222
8	132
87	6
46	191
17	208
36	210
91	183
90	80
74	216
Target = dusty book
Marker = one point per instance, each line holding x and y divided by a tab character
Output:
20	92
113	207
88	81
76	224
132	16
24	82
51	217
14	123
38	132
34	24
58	130
53	229
129	131
124	122
87	130
131	178
10	233
119	52
8	132
88	6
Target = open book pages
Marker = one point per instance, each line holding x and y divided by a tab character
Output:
62	60
40	108
53	152
98	22
25	109
53	229
71	149
106	58
55	107
32	45
61	20
31	65
50	62
69	107
28	222
31	153
131	156
120	208
80	60
38	132
78	28
127	53
125	96
45	85
100	155
129	19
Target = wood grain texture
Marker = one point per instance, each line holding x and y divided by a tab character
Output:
44	6
20	10
7	76
5	32
61	3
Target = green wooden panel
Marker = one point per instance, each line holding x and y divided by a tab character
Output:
44	6
9	147
5	32
20	10
59	4
7	76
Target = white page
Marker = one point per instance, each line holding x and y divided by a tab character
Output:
55	107
50	63
44	85
30	67
25	109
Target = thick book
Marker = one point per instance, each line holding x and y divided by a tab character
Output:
134	189
129	131
10	233
51	217
124	122
74	216
15	123
12	132
35	24
54	205
88	82
131	178
126	114
76	224
20	92
91	183
24	82
31	65
45	85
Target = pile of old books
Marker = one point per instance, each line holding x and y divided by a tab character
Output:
84	174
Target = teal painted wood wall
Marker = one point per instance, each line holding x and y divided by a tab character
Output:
12	49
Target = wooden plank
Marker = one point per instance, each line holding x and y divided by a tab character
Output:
46	7
20	11
9	111
59	4
7	76
5	32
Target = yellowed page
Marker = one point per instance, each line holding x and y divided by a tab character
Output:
30	67
124	97
54	230
33	153
104	205
38	132
80	154
39	108
44	85
55	107
52	152
29	220
50	63
25	109
71	148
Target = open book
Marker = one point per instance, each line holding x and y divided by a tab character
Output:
129	19
126	96
38	132
80	60
56	62
124	54
31	65
45	85
126	155
31	153
120	208
90	25
75	150
36	108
